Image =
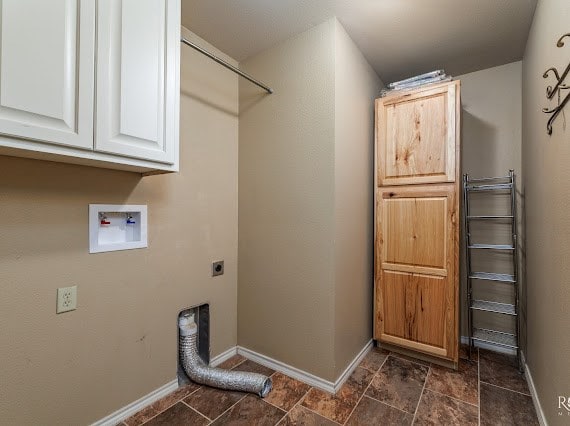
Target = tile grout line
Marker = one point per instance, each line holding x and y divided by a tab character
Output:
239	400
196	411
421	394
410	359
318	414
451	397
229	408
238	364
385	403
234	404
191	393
366	389
507	389
294	405
273	405
168	407
307	408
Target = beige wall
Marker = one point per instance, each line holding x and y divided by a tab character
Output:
286	190
546	162
356	87
305	208
491	101
120	343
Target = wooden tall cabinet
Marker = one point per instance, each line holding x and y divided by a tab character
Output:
417	220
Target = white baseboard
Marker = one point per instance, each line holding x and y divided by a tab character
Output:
218	359
288	370
317	382
533	394
352	366
134	407
303	376
488	346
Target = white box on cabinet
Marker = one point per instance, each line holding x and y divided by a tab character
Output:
115	227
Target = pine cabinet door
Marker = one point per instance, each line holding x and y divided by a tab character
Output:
47	70
416	136
416	289
138	61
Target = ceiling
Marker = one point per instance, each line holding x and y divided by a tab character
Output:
399	38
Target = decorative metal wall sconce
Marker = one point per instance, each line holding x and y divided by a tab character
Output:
557	89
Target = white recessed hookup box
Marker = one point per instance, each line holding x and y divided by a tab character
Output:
117	227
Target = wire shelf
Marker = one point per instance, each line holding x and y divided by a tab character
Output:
495	187
496	307
489	276
495	337
491	186
492	246
496	217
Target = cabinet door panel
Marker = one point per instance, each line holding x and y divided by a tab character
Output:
415	259
47	70
414	311
416	137
138	83
414	230
394	303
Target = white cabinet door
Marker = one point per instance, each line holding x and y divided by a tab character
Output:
47	70
138	82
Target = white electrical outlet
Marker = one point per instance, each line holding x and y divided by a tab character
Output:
66	299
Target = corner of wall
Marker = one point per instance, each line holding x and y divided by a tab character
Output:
356	87
547	202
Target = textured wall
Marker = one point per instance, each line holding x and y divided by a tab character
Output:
121	342
546	177
305	208
286	203
356	87
491	102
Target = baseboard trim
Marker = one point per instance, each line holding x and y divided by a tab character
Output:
134	407
533	394
296	373
286	369
353	364
488	346
303	376
224	356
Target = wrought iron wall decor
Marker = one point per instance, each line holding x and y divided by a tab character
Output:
557	89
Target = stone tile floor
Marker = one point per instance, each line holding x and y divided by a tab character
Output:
386	388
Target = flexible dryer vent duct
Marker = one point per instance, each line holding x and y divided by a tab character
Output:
200	373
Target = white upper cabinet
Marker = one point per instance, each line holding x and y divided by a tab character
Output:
135	97
46	70
94	82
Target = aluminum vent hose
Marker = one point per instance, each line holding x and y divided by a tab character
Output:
200	373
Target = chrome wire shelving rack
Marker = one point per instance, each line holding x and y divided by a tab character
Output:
504	186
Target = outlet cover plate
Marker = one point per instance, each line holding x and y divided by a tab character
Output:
66	299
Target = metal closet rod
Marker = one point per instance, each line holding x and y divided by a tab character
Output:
227	65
